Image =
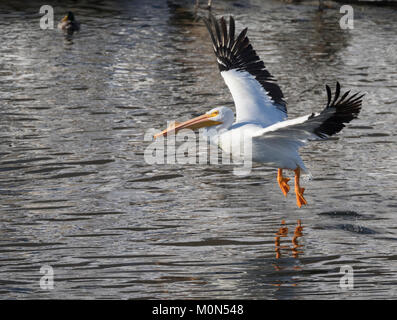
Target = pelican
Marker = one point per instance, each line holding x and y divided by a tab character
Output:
261	112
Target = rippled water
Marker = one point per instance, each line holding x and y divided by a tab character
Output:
76	193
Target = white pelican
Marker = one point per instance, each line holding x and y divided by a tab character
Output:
261	113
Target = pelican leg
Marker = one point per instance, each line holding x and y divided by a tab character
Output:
300	200
282	182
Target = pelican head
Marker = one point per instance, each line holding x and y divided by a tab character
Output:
217	118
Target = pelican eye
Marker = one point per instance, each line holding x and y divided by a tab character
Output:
214	114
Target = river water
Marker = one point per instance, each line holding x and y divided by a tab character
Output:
77	195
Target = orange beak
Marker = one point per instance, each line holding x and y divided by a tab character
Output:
193	124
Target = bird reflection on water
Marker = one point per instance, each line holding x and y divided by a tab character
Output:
283	233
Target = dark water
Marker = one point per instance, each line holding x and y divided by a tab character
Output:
76	193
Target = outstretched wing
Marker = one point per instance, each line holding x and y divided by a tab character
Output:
255	93
316	126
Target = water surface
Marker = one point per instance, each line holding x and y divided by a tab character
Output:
76	193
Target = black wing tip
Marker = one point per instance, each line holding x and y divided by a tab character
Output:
212	20
339	100
329	95
344	111
236	53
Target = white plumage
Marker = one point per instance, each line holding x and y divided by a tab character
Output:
261	113
253	104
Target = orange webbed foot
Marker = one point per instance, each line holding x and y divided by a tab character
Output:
300	200
283	182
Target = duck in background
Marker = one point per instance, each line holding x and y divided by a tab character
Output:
69	24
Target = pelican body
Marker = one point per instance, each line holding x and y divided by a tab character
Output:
261	112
